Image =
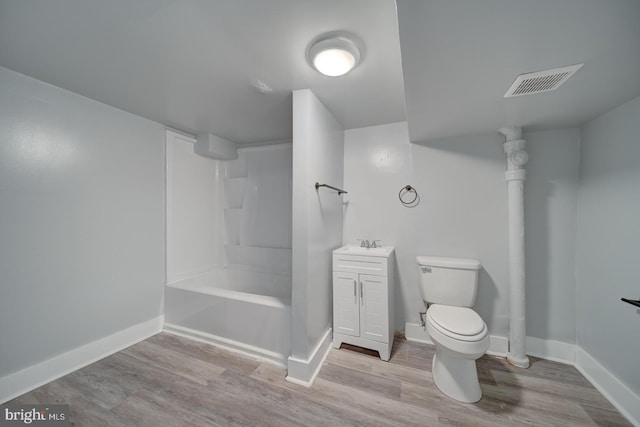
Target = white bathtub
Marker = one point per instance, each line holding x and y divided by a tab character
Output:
241	310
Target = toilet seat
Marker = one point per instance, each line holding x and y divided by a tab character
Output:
460	323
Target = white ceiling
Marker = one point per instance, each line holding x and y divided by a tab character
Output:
459	58
190	63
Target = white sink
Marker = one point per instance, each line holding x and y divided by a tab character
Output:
382	251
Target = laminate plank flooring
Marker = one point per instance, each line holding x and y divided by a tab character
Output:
173	381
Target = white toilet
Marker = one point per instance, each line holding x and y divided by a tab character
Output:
449	287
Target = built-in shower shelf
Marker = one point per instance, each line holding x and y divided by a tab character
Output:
236	168
234	191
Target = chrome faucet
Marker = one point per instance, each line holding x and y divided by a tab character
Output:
369	244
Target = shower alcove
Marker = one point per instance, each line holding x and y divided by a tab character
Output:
229	247
249	240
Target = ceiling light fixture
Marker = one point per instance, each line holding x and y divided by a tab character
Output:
333	54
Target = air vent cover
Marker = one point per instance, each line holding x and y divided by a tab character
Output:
541	81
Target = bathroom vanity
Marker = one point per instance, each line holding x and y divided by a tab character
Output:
363	298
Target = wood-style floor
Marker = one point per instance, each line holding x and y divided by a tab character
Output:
171	381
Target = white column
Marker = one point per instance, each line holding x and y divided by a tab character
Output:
517	157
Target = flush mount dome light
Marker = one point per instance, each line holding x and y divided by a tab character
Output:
333	55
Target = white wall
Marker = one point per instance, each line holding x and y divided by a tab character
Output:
608	233
551	199
462	210
318	148
463	213
81	222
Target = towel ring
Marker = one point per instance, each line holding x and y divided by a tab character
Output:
408	201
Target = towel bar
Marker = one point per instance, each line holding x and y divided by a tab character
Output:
635	302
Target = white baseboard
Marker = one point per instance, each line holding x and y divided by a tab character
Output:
620	396
414	332
499	346
551	350
304	371
25	380
227	344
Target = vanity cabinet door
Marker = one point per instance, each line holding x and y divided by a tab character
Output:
346	299
374	308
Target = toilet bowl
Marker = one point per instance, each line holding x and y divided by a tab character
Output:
460	337
449	287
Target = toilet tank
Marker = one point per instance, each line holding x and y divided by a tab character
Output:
449	281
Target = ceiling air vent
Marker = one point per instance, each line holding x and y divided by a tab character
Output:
541	81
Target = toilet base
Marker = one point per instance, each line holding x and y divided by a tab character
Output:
456	377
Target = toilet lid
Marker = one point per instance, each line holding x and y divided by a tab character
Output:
458	320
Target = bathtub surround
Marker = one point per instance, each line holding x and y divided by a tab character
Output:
194	217
223	214
229	248
318	152
82	231
515	175
264	208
